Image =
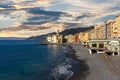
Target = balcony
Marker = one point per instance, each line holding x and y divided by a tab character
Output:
115	31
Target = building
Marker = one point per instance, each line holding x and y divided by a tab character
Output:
110	33
49	38
55	38
116	28
70	38
83	37
60	39
91	35
76	38
100	32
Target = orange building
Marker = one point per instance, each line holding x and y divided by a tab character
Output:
76	38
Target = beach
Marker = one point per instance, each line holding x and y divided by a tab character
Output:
96	66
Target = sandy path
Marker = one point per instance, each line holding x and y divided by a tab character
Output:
100	66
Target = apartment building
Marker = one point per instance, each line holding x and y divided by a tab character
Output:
109	25
116	28
91	34
100	31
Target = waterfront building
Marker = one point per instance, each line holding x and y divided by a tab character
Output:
70	38
76	38
49	38
83	37
100	31
116	28
110	29
80	37
55	38
60	39
91	34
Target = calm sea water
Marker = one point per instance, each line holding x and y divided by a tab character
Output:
22	60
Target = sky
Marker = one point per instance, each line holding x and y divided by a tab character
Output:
25	18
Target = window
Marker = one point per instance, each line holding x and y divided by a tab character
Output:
94	45
101	45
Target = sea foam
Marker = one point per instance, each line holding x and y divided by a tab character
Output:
62	71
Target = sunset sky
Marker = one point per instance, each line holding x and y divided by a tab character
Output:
24	18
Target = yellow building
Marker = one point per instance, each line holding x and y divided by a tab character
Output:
70	38
116	28
91	34
83	37
60	39
100	32
110	24
49	38
55	38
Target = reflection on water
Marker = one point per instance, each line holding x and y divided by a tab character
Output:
54	49
22	60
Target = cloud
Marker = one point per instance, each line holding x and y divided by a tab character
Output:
92	9
85	15
40	11
30	31
43	16
5	6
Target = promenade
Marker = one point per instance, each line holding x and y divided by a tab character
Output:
101	67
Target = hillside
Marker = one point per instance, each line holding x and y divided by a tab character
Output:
65	32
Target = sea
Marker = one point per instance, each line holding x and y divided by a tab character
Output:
24	60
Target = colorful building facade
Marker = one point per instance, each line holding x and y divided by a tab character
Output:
110	29
55	38
100	32
83	37
116	28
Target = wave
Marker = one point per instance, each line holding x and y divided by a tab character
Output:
62	71
66	69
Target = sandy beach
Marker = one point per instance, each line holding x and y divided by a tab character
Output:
96	66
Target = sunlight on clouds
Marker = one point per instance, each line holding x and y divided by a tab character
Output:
88	5
24	18
20	15
21	33
16	24
30	4
18	1
24	33
54	26
27	33
43	2
17	6
2	8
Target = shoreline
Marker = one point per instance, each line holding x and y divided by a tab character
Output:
84	68
99	67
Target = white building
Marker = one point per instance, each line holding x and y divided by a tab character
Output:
49	39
